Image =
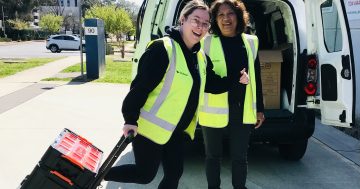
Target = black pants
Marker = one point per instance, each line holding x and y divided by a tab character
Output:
148	156
239	139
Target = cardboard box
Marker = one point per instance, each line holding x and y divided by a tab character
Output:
270	64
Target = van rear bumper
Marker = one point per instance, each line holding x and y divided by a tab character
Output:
280	126
298	126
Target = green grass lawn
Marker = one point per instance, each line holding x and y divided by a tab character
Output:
117	42
7	69
115	72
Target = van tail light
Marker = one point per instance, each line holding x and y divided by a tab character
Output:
311	75
310	89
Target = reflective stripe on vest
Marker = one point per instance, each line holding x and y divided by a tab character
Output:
213	110
205	107
165	104
250	112
150	116
253	46
217	116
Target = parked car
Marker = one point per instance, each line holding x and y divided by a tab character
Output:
57	43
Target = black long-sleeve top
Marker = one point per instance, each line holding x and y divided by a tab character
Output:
151	70
236	59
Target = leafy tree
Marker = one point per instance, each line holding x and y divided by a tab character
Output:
87	4
102	12
132	31
131	8
117	21
121	23
18	24
51	23
18	8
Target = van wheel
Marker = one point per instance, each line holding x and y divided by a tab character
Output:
293	151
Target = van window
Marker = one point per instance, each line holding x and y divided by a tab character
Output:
157	17
278	28
331	25
140	19
179	7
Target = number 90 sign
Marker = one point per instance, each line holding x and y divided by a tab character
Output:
91	31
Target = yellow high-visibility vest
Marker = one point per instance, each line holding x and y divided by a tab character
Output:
166	103
214	111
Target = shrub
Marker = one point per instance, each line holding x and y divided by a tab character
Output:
109	49
5	39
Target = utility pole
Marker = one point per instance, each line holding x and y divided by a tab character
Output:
81	37
3	20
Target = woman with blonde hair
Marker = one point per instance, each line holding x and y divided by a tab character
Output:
164	99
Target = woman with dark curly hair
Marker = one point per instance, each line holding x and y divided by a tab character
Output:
234	54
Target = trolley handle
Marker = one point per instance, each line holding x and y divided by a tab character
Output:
131	136
110	160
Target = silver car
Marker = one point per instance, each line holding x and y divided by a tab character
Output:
57	43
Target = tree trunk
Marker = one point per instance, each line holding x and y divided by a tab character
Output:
122	49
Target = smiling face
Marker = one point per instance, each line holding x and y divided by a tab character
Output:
226	20
194	27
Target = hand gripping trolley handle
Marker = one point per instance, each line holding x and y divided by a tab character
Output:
106	166
72	162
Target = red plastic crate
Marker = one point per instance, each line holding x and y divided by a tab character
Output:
79	150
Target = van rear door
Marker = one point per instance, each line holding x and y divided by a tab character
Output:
144	28
329	40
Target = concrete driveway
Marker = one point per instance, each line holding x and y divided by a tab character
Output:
93	110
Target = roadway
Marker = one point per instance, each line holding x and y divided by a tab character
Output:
30	49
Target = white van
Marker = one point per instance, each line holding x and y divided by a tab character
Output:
307	64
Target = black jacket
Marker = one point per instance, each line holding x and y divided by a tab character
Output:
234	64
151	70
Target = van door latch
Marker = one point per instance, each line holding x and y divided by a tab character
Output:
314	101
342	116
345	72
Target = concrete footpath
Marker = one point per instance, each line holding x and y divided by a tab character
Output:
34	112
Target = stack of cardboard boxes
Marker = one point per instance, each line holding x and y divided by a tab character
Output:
270	63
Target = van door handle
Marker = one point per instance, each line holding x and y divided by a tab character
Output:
345	72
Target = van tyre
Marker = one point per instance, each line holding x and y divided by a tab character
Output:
54	48
293	151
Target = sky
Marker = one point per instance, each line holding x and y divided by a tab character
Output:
138	2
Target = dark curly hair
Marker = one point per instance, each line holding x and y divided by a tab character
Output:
241	14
